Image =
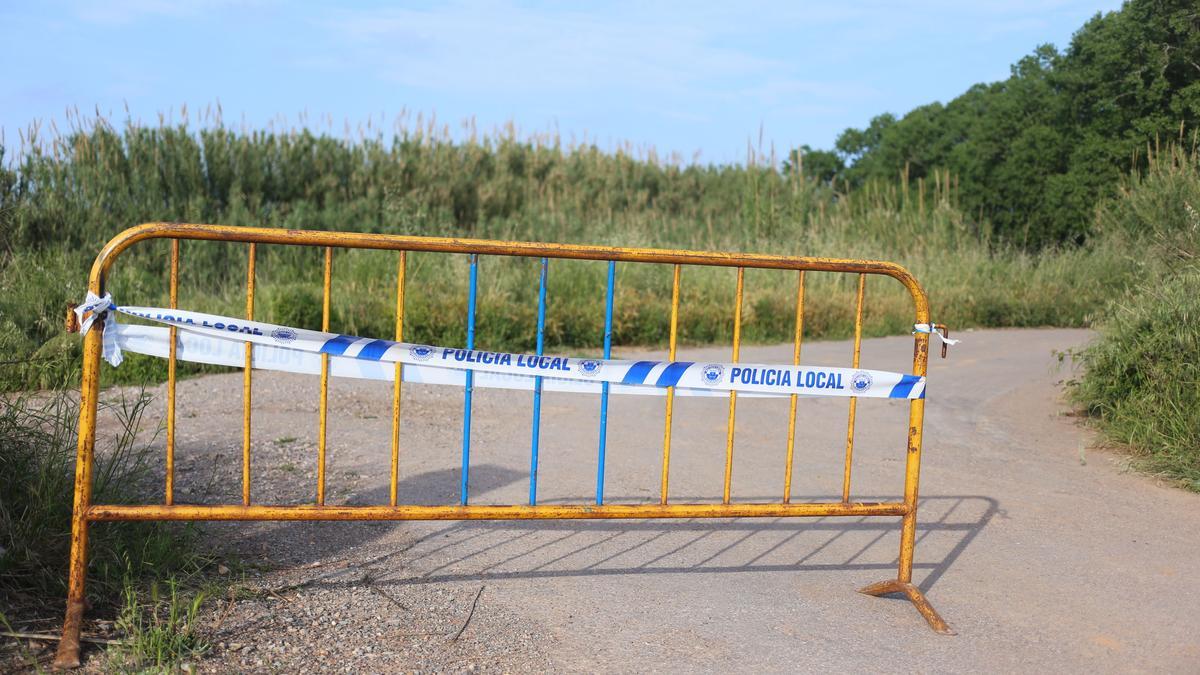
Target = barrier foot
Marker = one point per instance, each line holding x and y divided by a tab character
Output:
916	597
67	656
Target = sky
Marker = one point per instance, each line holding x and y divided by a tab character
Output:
697	81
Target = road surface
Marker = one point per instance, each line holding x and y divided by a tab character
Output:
1041	551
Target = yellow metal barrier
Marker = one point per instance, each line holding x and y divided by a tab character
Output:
86	512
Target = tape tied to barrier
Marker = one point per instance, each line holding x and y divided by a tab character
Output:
929	328
210	338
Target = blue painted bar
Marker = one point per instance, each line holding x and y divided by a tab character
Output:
537	385
466	443
608	312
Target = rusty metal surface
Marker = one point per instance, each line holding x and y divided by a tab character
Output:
491	512
737	352
395	475
791	433
849	462
247	380
673	339
173	333
85	511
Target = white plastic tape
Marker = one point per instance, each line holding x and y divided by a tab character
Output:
197	348
100	306
716	377
927	328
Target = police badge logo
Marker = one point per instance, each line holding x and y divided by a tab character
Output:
861	381
283	335
590	367
421	352
712	374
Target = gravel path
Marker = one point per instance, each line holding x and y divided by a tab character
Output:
1042	552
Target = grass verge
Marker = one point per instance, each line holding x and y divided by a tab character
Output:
37	457
1140	379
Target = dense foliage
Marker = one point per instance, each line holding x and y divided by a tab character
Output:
1033	154
1141	373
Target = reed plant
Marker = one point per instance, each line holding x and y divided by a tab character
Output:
63	194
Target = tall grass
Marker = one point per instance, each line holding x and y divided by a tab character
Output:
37	459
63	195
125	560
1141	377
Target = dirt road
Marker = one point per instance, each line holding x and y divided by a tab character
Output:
1038	549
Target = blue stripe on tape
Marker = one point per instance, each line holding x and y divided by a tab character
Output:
637	372
904	387
337	346
671	375
375	350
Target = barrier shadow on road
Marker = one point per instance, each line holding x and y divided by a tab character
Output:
483	550
502	550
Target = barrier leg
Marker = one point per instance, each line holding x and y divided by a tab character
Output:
908	527
916	597
68	647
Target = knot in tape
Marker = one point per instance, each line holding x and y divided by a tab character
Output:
928	328
99	306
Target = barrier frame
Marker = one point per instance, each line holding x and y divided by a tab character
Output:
86	512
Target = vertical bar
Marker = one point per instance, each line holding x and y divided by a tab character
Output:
68	647
912	465
737	348
862	282
666	463
400	273
537	385
174	291
608	319
246	388
466	441
791	435
324	406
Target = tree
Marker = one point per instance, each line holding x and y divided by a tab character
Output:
1035	152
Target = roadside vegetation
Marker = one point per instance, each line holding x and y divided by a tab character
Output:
70	193
127	561
1140	379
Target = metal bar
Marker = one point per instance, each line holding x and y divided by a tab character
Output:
395	477
666	461
466	438
912	465
394	242
171	365
324	405
537	384
246	383
862	282
490	512
737	349
791	434
68	647
608	321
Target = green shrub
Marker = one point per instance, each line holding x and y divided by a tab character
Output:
1142	376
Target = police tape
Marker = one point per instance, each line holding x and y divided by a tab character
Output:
683	375
197	348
